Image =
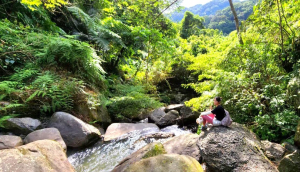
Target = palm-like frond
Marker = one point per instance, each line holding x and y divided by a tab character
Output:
96	31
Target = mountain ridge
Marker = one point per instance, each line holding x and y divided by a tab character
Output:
207	9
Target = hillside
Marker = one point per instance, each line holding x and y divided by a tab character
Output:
223	20
202	10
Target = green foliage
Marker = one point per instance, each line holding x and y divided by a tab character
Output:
217	13
114	43
130	101
276	127
190	25
75	56
14	10
30	91
223	20
208	9
95	30
32	4
255	80
3	119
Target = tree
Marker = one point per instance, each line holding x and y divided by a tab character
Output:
236	22
190	24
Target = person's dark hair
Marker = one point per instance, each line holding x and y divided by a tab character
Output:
219	99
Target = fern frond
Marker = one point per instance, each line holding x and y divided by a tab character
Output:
32	96
10	106
82	16
98	32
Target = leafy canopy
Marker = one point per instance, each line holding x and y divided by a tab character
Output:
48	4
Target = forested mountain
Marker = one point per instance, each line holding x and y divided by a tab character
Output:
207	9
116	61
223	20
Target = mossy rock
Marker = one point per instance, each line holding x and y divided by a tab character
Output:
157	149
233	148
297	136
41	155
290	163
166	162
148	151
98	113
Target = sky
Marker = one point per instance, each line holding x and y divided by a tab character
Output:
190	3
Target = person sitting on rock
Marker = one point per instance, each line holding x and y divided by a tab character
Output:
213	117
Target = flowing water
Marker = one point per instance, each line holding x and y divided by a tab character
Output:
103	157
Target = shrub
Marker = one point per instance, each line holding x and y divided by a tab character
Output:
129	101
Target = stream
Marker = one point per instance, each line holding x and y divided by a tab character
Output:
104	156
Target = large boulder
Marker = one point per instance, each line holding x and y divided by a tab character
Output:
7	141
156	114
232	149
290	163
162	119
74	132
40	156
297	136
147	151
22	125
117	130
166	162
273	151
184	145
188	116
98	113
46	134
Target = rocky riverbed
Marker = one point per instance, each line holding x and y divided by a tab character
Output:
68	144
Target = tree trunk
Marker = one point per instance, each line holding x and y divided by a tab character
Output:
236	22
280	24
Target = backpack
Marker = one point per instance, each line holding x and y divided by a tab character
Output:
226	121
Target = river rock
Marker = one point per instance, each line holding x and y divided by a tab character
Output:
159	135
187	116
290	148
233	148
290	163
297	136
7	141
117	130
147	151
102	131
157	114
22	125
166	162
162	119
74	132
273	151
99	113
39	156
184	145
46	134
174	107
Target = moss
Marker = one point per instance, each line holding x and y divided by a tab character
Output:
167	162
156	150
23	151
